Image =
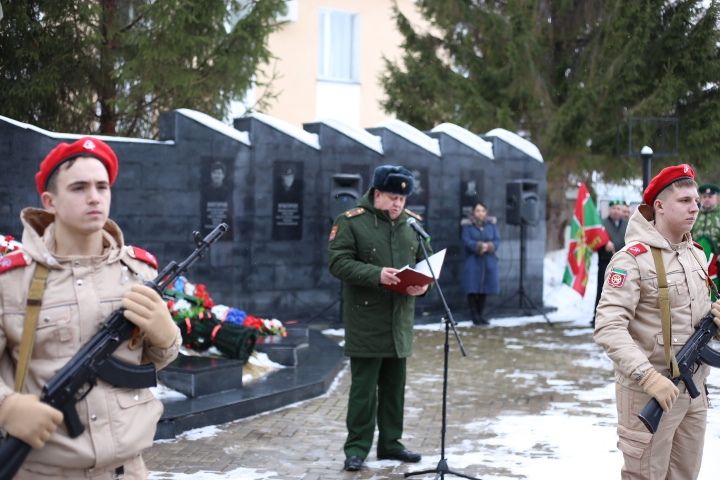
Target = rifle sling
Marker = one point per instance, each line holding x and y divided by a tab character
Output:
670	359
32	312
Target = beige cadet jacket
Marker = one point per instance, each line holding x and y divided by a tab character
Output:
80	292
627	322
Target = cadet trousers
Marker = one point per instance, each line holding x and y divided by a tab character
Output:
377	393
675	451
131	469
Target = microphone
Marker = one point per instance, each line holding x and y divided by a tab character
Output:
418	229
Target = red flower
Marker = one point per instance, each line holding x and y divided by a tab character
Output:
202	293
253	322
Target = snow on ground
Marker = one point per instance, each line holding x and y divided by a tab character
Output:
556	444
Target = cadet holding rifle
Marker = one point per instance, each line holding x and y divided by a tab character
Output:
72	272
656	291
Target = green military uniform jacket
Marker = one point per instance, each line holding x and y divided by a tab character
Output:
707	226
378	322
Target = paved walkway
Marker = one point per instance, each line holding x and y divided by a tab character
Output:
510	372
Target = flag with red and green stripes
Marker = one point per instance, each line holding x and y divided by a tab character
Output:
587	235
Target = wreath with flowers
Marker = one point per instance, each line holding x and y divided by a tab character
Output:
8	244
204	323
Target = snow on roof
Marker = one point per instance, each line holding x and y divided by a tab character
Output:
215	124
411	134
516	141
466	137
310	139
373	142
105	138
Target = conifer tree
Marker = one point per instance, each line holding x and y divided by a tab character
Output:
570	75
111	66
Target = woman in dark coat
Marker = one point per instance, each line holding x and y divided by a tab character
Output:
480	273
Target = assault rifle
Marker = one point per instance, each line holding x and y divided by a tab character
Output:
695	351
94	360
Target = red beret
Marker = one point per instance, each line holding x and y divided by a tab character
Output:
663	180
84	147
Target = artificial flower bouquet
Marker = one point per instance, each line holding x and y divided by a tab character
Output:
8	244
204	324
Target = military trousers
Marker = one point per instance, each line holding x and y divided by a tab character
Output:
674	451
377	393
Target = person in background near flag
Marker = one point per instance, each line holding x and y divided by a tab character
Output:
625	212
630	326
615	226
706	230
587	235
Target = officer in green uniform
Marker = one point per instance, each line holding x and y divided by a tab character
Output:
367	246
706	230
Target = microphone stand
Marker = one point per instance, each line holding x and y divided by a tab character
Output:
442	467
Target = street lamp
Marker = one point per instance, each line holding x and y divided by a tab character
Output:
646	154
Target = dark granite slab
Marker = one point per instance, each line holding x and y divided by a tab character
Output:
197	376
284	350
315	370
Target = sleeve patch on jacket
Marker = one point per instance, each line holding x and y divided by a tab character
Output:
637	249
333	232
144	256
616	278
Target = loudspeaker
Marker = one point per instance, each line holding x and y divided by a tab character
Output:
345	189
521	202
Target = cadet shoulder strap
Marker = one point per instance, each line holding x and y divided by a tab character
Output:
670	359
32	312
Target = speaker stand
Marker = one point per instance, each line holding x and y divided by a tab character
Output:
525	303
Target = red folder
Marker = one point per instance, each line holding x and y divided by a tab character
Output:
418	276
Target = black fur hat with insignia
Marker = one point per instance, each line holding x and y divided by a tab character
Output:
393	179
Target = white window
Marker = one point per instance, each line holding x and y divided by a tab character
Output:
339	49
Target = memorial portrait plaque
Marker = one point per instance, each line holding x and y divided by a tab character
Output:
471	191
471	185
419	198
216	195
287	200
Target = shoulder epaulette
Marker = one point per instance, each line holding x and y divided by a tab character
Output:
354	212
144	256
636	249
12	261
413	214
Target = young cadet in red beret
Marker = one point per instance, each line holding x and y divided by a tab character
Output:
76	254
630	328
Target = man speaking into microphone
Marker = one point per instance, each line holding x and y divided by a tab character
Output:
367	247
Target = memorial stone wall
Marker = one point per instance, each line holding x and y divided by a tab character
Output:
277	186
